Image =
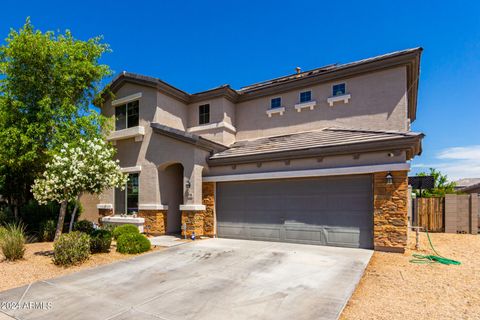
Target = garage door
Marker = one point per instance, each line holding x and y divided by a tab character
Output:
333	211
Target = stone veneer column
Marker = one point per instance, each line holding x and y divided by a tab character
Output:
390	212
202	222
208	199
155	221
104	213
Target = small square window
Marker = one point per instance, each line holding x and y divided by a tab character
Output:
305	96
276	103
338	89
204	114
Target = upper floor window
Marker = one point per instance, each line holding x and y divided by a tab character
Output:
276	103
338	89
204	114
305	96
126	115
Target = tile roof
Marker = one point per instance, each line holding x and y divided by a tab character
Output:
324	69
327	137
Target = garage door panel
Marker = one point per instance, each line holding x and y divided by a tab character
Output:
333	211
342	237
259	232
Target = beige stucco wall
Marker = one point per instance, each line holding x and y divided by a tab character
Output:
89	205
378	101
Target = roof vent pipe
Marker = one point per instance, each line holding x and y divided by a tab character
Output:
298	70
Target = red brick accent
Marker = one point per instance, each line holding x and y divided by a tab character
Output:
390	211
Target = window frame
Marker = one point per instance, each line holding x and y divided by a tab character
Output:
204	115
125	196
305	92
339	84
126	110
279	99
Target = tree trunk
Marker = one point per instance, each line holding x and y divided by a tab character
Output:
61	219
70	227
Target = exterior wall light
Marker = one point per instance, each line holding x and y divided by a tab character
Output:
188	185
389	178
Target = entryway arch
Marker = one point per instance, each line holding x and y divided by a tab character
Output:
170	179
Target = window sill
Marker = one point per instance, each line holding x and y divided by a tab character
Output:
310	104
280	111
134	132
344	98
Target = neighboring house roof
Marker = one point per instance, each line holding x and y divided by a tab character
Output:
466	182
328	141
470	187
409	58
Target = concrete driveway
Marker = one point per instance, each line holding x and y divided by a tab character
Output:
207	279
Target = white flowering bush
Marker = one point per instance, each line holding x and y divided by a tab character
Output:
86	166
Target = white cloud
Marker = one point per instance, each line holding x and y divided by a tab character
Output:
461	153
456	162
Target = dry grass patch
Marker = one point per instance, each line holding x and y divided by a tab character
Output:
394	288
37	265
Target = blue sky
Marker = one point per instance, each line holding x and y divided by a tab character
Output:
197	45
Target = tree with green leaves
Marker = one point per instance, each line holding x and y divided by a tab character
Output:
47	84
441	184
86	166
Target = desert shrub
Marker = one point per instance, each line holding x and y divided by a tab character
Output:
123	229
12	241
3	230
100	241
71	248
84	226
47	230
133	243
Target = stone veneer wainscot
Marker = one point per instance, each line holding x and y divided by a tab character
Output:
390	212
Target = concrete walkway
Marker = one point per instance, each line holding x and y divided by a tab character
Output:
208	279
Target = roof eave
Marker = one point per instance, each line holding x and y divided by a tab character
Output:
411	145
189	138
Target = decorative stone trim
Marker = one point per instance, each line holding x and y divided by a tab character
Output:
134	132
305	105
344	98
104	206
223	124
152	206
117	220
390	218
280	111
131	169
192	207
127	99
155	221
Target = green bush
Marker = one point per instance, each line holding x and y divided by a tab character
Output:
84	226
71	248
47	230
12	241
100	241
123	229
133	243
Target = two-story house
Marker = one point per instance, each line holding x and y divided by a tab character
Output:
316	157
